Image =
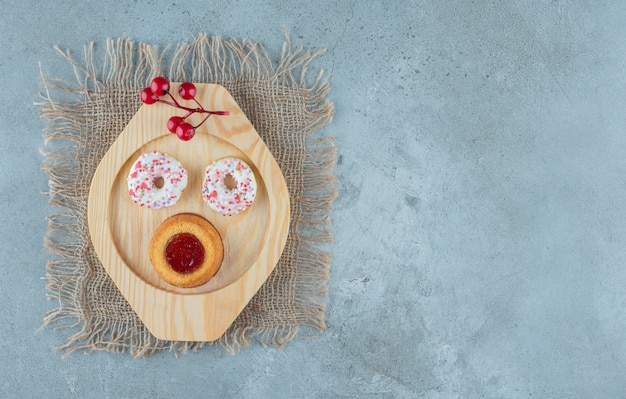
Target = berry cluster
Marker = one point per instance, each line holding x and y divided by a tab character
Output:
160	87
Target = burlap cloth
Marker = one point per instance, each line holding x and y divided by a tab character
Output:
83	118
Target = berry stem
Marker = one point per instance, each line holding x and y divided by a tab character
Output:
190	110
167	102
199	105
173	99
160	87
203	120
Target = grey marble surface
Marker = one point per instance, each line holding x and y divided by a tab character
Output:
481	221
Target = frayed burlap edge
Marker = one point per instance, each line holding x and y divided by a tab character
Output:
205	59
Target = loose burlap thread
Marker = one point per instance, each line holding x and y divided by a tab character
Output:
83	118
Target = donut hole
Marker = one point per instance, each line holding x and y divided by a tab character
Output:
159	182
230	182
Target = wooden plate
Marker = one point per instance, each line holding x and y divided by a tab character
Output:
253	240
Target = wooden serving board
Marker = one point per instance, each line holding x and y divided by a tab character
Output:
253	240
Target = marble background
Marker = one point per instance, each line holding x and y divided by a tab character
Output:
481	221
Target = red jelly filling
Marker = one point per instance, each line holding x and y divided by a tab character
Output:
184	253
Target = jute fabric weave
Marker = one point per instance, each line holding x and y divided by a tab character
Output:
84	117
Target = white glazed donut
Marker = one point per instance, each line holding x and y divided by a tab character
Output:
216	193
156	180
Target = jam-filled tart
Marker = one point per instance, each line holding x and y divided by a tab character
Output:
186	250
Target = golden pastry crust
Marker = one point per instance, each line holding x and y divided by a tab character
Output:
206	234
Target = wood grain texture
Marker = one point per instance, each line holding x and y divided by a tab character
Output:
253	240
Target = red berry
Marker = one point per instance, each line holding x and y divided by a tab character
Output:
185	131
187	90
148	97
160	85
173	123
